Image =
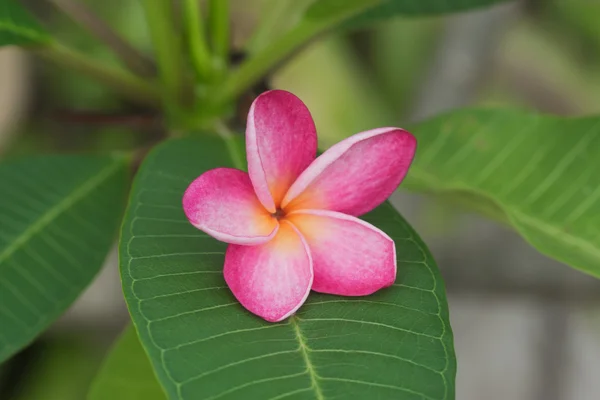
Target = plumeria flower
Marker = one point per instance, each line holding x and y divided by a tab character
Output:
291	221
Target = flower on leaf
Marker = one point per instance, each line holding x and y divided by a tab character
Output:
291	221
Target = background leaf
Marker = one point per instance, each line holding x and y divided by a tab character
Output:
57	367
204	345
19	28
372	11
126	373
58	218
538	173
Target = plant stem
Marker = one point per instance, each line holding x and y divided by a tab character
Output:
219	28
263	62
272	14
167	48
225	133
80	13
196	38
130	86
272	55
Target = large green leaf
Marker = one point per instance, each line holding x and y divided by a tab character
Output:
19	28
204	345
58	217
126	373
538	173
373	10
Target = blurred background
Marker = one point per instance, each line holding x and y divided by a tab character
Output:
526	327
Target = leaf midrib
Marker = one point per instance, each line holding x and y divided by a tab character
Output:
309	365
59	208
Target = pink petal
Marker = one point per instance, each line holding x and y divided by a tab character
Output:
350	256
222	203
355	175
271	280
281	141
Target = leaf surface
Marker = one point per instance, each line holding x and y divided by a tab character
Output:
538	173
58	218
396	343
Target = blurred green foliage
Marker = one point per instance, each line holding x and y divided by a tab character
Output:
62	369
549	60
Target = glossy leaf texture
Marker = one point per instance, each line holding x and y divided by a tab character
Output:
370	11
126	373
538	173
58	218
18	27
396	343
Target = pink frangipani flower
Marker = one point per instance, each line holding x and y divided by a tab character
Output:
291	221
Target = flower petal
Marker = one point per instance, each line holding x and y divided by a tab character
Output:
281	141
355	175
222	203
271	280
350	257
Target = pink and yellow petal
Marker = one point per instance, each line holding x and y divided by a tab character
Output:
350	257
355	175
222	203
281	141
271	280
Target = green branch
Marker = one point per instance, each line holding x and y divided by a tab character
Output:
269	57
128	85
80	13
273	16
167	48
196	38
219	28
